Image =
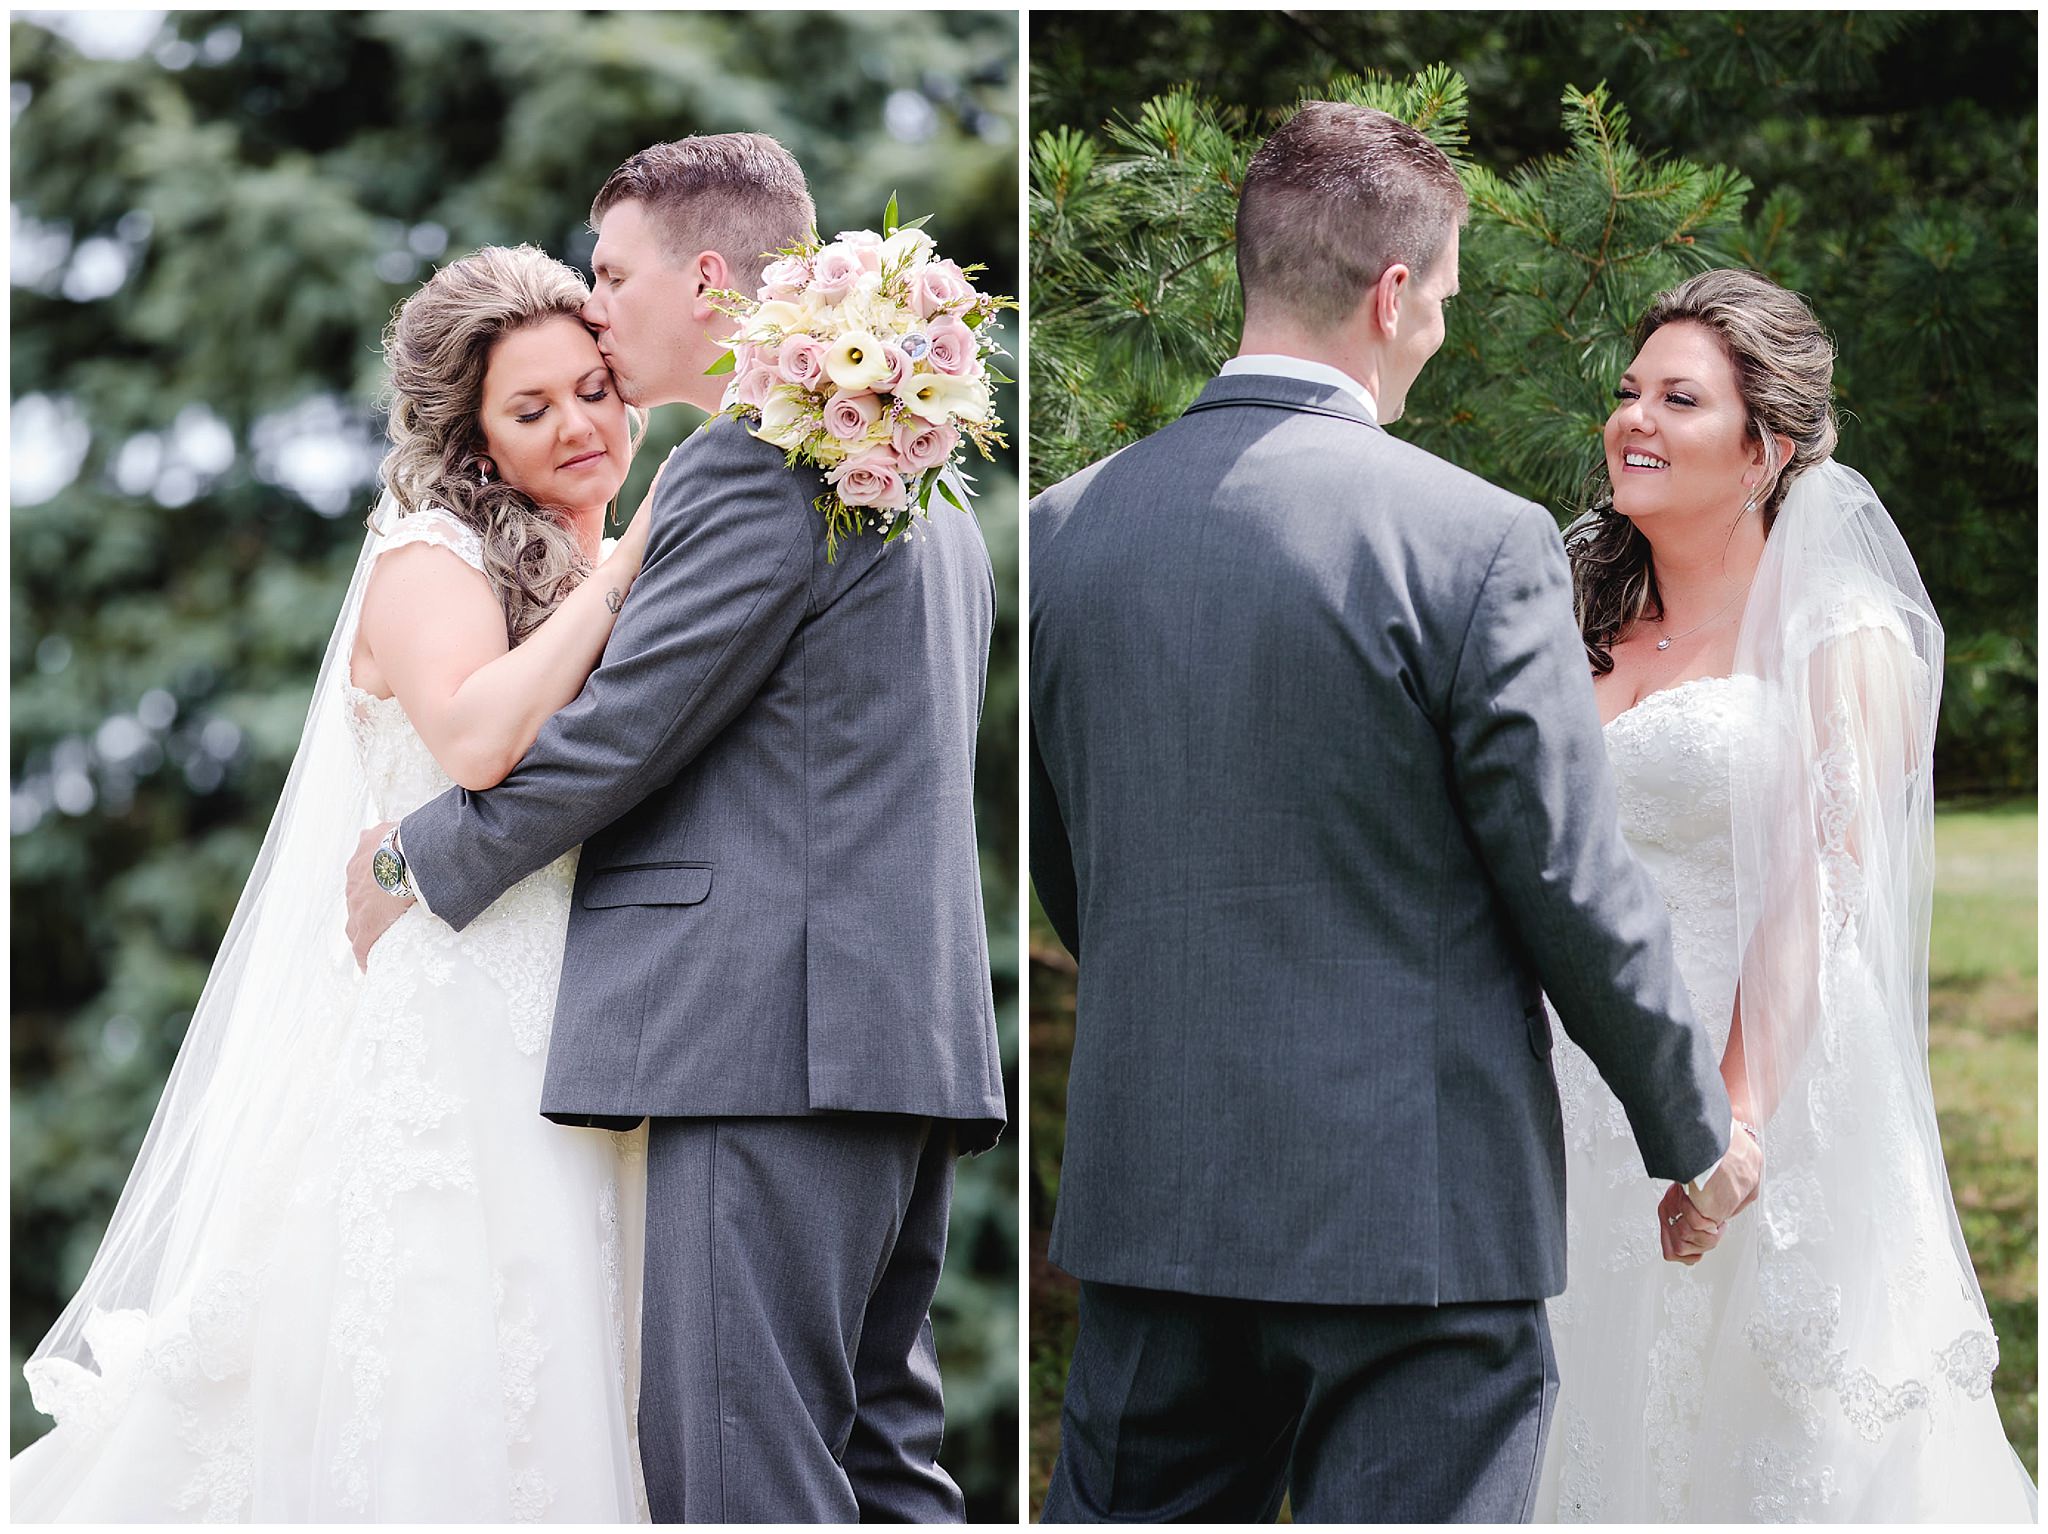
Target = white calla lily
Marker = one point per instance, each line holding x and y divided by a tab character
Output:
856	361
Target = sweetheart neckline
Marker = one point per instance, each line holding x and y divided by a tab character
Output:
1648	698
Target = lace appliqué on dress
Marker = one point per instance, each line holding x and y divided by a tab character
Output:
387	1151
1581	1496
1677	1385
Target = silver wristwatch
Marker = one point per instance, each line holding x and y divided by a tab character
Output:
387	867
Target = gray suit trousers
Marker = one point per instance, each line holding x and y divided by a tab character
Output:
1184	1408
788	1373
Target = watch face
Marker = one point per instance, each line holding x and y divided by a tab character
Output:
387	870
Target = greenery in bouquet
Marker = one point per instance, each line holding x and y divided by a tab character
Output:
868	358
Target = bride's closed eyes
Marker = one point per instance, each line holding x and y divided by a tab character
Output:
598	396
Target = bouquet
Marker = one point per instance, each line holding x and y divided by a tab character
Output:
868	358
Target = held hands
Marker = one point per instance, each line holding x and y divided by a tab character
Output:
370	911
1690	1227
1686	1234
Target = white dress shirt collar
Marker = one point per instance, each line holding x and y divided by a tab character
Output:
1279	365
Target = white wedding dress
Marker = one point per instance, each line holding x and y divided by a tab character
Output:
1723	1392
420	1303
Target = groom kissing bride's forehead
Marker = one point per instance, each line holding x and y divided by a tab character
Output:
1320	806
758	769
674	885
676	225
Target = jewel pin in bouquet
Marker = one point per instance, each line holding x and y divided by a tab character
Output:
868	358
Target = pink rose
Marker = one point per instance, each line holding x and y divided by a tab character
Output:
939	285
921	445
848	416
757	383
866	246
835	272
802	361
874	478
899	367
954	349
786	279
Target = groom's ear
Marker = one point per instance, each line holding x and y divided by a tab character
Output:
710	274
1387	294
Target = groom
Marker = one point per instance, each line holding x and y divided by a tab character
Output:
1320	805
776	950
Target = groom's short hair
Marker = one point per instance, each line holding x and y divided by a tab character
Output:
740	194
1337	195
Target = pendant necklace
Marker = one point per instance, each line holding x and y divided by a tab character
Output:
1665	642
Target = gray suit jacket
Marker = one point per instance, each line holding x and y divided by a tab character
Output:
778	907
1320	804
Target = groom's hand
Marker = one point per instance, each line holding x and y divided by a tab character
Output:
1686	1234
370	911
1690	1219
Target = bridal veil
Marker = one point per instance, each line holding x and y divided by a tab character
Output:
222	1145
1867	1311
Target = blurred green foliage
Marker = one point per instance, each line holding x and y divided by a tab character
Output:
1881	164
212	222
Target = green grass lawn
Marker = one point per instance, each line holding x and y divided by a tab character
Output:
1982	1049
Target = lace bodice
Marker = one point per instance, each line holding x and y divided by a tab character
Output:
1672	755
1768	1381
402	771
407	1297
519	938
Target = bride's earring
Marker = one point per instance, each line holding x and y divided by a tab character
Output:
483	471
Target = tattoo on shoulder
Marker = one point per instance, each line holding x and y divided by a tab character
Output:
613	600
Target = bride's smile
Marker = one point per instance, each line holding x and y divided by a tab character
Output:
1677	441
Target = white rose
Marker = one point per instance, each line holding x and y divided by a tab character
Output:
912	243
782	421
772	318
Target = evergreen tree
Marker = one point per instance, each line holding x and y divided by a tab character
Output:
1881	164
1134	300
210	229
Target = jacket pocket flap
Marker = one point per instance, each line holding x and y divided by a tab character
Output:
648	884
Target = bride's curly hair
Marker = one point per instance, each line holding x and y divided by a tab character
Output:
1784	368
438	347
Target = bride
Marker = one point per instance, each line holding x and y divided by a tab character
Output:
1769	670
354	1274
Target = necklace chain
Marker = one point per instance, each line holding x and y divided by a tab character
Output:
1665	642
